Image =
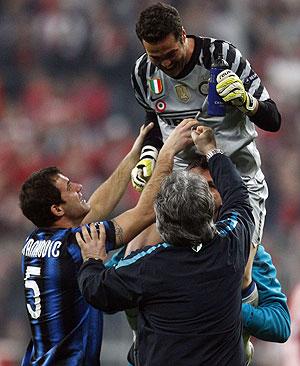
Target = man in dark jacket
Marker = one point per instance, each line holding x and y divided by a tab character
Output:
187	288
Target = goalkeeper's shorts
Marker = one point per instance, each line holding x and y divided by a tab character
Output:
258	194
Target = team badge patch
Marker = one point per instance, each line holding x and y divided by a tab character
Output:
183	93
156	86
203	88
160	106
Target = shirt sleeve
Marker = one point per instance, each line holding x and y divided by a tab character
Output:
114	289
154	136
235	217
267	117
270	321
110	241
234	193
140	87
139	82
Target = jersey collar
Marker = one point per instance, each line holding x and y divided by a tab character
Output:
193	60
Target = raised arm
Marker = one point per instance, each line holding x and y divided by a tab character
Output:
151	146
242	87
109	193
225	176
132	222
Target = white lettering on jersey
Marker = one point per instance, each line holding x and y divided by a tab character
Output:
41	248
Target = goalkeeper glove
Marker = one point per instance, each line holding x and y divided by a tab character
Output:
142	172
231	89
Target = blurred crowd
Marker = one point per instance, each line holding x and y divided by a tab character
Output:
66	100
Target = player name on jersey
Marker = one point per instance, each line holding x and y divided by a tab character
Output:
41	248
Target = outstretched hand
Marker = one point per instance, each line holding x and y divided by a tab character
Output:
138	143
92	244
204	139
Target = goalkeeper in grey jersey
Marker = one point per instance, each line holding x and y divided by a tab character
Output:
170	81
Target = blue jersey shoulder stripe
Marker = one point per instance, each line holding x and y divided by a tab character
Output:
129	261
227	225
116	258
110	241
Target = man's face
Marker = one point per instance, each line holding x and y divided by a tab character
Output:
169	55
216	195
75	206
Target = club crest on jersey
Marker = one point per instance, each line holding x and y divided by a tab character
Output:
156	86
160	106
183	93
203	88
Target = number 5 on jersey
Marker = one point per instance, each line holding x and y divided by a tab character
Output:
31	284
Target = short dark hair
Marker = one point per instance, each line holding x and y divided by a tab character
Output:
38	193
199	162
157	21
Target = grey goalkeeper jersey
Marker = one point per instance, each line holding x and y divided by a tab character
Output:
173	99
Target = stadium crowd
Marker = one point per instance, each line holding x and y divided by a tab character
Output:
66	100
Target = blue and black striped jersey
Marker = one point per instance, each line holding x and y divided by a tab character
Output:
65	329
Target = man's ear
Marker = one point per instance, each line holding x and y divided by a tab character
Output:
57	210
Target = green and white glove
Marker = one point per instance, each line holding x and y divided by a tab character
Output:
231	89
142	172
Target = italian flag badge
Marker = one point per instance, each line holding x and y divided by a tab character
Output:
156	86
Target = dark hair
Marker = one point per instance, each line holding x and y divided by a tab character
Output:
38	193
199	162
157	21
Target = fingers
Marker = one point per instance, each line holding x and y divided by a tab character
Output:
202	132
187	125
188	122
79	240
137	146
145	129
194	126
137	179
83	237
194	135
86	236
92	244
225	74
85	233
94	232
230	87
197	132
199	129
102	233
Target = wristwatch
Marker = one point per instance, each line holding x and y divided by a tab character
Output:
213	152
94	258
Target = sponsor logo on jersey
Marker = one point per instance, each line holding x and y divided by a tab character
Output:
183	93
160	106
156	86
250	79
173	119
